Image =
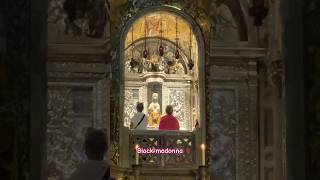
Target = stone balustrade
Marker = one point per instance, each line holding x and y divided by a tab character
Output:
173	140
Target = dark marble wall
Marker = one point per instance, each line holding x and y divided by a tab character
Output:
77	96
233	123
23	88
312	88
15	94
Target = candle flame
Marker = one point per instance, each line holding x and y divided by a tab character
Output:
137	146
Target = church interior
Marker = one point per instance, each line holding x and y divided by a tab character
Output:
242	78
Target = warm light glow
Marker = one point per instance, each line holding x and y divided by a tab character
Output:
203	146
203	163
152	28
173	7
137	154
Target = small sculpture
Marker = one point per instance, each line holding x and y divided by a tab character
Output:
154	112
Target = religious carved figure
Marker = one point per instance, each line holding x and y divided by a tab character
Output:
78	18
154	112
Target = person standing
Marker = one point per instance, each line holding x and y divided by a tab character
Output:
94	168
139	120
168	121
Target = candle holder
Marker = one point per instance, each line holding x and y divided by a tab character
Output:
137	154
203	154
203	172
136	169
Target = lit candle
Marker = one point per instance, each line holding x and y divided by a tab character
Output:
203	154
137	154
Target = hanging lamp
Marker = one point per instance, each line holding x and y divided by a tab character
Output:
145	51
177	53
133	62
190	63
161	49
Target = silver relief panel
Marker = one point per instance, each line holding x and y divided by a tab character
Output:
177	99
223	130
73	109
130	100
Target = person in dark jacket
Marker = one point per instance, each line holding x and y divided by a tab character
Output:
94	168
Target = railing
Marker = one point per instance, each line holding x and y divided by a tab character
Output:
184	140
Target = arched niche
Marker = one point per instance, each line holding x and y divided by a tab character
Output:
190	137
228	21
143	32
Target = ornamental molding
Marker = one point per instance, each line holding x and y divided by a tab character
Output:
73	67
237	53
67	76
85	49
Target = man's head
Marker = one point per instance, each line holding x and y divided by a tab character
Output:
169	109
96	144
139	107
